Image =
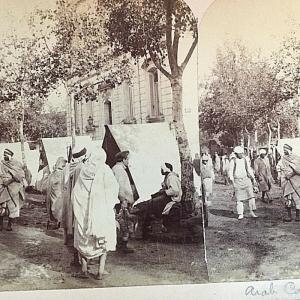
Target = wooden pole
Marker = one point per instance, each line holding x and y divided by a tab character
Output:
72	117
21	129
269	138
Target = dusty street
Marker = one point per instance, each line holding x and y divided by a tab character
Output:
35	258
251	249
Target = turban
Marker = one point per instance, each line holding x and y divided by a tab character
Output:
8	152
78	152
262	151
121	155
238	150
287	147
166	167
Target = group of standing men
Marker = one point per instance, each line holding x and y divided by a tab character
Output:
248	180
94	204
85	197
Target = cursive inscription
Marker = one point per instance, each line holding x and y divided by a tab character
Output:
291	289
254	291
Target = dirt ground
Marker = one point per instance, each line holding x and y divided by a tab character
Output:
35	258
265	248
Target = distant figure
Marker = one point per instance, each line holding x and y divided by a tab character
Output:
197	175
242	177
289	167
263	174
217	163
208	177
12	188
272	161
95	195
253	158
54	196
225	168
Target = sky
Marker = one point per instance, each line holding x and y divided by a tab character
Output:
259	24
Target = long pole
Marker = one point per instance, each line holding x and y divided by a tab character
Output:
21	129
72	116
204	208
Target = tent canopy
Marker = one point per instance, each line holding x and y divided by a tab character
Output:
56	147
150	145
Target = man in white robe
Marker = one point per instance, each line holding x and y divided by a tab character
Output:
94	196
242	177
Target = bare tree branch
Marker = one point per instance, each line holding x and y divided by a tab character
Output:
45	41
189	54
158	65
172	62
176	43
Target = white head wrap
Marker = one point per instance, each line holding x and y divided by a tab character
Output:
238	150
262	151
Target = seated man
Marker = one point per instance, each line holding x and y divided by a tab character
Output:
162	202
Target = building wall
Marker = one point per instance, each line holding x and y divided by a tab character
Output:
120	103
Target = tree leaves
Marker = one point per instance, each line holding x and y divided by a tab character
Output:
244	89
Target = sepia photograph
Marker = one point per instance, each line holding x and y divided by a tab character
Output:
152	145
249	55
100	182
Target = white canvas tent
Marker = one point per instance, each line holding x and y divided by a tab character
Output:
150	145
32	156
33	162
56	147
293	142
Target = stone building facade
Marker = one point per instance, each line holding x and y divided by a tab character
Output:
147	98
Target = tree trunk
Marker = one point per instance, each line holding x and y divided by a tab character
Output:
248	143
187	179
22	139
298	117
278	130
242	141
255	139
72	116
21	130
269	138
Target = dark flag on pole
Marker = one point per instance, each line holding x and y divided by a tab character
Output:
69	150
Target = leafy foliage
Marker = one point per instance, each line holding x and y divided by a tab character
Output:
287	66
243	90
78	47
151	29
45	125
24	84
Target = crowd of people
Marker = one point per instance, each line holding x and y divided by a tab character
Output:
93	203
252	175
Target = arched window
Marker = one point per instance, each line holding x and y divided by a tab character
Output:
128	94
107	113
154	94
